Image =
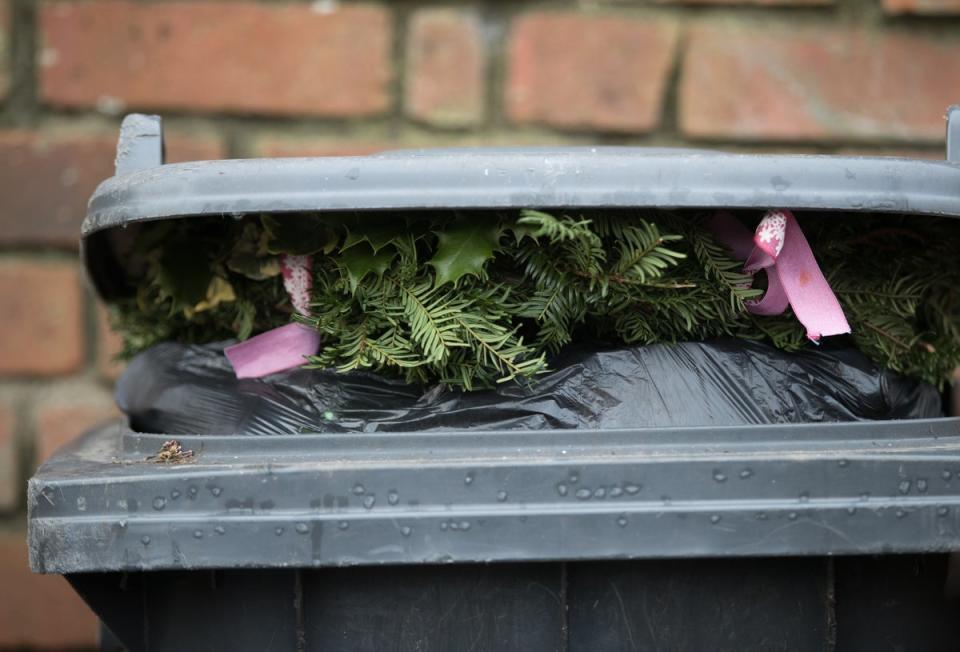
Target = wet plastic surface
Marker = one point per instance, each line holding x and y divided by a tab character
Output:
192	389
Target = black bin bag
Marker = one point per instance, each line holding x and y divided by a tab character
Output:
179	389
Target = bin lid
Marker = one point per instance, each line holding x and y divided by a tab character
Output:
144	188
483	178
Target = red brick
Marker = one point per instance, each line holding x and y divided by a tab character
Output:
446	68
282	146
789	83
4	48
927	7
9	474
42	307
584	72
39	611
46	180
109	345
241	57
68	411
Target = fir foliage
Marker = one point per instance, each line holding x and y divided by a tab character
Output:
472	300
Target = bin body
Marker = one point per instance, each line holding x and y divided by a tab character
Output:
801	537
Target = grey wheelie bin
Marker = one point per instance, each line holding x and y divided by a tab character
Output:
832	536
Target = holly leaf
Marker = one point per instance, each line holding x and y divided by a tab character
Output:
360	260
252	266
185	272
250	257
521	231
219	291
299	235
463	249
377	233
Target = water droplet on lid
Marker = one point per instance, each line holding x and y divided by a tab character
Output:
192	491
665	500
197	534
302	528
444	525
393	497
792	516
216	491
865	496
454	526
370	501
468	479
746	473
942	511
145	540
616	492
405	531
343	525
715	519
122	524
159	503
904	486
219	529
501	495
278	531
622	521
946	475
632	489
562	489
922	485
174	494
901	513
464	525
804	497
851	510
358	490
843	463
583	494
574	478
719	476
600	492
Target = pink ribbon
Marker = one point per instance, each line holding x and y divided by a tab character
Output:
284	347
793	276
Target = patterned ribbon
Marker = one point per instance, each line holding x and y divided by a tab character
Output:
793	276
284	347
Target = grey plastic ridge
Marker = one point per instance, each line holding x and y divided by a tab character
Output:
576	177
354	500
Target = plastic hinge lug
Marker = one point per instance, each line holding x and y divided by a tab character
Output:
953	133
141	143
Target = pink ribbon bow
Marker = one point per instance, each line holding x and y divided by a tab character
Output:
793	276
284	347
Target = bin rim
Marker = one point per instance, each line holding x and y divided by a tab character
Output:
392	498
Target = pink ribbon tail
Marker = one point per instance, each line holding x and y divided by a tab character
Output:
793	276
276	350
285	347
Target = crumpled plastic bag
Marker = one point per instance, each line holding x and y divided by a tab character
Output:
181	389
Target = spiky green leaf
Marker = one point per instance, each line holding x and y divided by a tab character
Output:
463	249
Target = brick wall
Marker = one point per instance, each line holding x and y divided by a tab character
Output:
272	78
